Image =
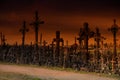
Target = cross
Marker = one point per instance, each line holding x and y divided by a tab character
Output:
75	45
114	29
58	40
98	38
84	35
23	30
113	64
36	24
3	40
44	43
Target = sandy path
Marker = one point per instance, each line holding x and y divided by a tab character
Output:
49	74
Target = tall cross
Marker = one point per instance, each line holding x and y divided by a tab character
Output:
58	40
84	35
36	24
114	29
23	30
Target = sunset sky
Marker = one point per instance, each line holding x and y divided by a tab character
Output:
64	15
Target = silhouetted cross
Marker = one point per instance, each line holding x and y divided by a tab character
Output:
58	40
114	29
44	43
3	39
23	30
36	24
84	35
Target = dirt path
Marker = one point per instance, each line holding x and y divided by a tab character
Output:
49	74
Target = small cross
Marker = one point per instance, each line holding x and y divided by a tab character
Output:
44	43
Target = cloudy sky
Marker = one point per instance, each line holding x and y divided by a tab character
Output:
67	16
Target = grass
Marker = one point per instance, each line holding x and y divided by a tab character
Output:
65	69
114	76
15	76
117	77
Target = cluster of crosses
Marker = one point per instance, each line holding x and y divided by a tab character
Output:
58	48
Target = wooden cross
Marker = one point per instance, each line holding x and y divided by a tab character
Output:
84	35
36	24
23	30
58	40
114	29
113	64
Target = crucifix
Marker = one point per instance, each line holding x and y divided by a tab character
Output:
23	30
36	24
114	29
57	40
84	35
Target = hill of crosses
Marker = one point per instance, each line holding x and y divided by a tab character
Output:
100	57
